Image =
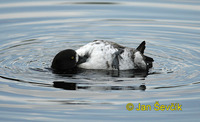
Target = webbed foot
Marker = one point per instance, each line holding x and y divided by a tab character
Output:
116	57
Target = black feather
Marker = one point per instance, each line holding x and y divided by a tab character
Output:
148	61
141	47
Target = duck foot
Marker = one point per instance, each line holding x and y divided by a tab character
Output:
116	58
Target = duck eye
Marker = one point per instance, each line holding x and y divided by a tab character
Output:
72	57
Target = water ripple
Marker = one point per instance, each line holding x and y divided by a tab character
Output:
34	32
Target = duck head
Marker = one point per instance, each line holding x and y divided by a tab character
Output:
65	60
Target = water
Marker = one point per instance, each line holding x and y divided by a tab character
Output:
32	32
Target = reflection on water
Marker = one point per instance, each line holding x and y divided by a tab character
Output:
33	32
77	86
99	73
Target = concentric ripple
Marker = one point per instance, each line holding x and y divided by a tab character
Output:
33	32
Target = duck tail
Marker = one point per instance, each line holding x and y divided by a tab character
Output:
147	59
141	47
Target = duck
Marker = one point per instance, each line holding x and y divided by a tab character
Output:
101	54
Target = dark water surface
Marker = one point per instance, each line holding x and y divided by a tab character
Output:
32	32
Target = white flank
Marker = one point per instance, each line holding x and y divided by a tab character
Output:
139	61
77	58
101	56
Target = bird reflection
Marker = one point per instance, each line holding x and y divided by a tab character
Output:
77	86
102	73
91	74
